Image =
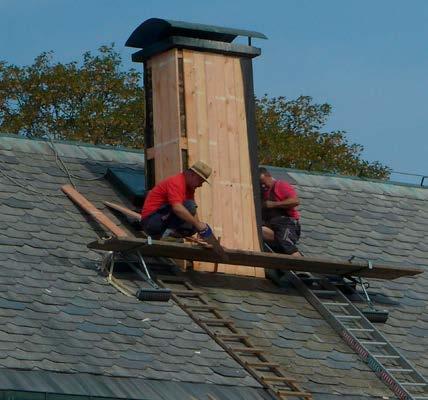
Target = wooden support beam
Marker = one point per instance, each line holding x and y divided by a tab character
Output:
88	207
254	258
124	210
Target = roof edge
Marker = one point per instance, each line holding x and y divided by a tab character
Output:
73	143
80	384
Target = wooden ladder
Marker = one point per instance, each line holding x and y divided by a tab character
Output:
234	341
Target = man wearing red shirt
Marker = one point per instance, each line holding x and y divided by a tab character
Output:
281	227
171	206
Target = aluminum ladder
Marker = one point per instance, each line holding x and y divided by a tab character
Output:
364	338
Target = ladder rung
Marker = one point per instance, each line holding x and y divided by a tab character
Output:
385	356
399	370
216	321
347	316
291	393
360	329
261	364
336	304
412	384
200	307
326	293
278	379
255	350
231	336
374	343
187	293
171	278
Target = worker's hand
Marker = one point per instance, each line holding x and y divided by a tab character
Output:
205	233
269	204
200	226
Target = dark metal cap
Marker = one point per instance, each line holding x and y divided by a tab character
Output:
156	30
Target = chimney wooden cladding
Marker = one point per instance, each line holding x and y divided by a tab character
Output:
200	106
199	113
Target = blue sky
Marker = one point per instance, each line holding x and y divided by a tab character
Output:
369	59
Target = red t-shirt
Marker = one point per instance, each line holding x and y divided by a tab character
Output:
281	191
169	191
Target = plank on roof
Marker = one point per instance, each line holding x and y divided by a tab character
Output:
253	258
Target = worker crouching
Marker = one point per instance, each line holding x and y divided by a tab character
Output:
281	226
170	208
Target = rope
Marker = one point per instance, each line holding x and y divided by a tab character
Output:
63	167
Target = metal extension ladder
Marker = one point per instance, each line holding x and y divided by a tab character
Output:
364	338
233	340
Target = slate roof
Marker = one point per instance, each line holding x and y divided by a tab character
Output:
341	217
59	315
377	221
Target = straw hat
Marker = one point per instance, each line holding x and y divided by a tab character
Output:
202	169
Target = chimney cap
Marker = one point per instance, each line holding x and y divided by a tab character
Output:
155	30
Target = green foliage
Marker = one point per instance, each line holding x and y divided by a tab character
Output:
94	102
290	136
97	102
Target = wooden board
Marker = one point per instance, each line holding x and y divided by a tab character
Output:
217	134
166	115
124	210
253	258
87	206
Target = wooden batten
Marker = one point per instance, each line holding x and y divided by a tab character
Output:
199	111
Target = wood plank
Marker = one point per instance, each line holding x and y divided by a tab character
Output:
173	161
190	99
223	184
255	258
250	239
124	210
233	174
88	207
197	115
204	194
166	115
157	110
213	76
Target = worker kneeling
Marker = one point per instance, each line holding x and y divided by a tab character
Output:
170	208
281	227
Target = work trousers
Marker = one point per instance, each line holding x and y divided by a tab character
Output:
287	234
157	223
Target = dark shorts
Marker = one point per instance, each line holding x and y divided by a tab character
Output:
164	218
287	234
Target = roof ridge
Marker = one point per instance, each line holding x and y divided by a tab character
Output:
72	143
351	177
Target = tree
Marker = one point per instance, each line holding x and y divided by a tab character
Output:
95	102
290	135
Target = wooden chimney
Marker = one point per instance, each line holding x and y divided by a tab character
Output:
200	106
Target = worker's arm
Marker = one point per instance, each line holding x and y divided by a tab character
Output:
287	203
183	213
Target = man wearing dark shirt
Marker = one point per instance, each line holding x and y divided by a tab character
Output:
170	206
281	227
